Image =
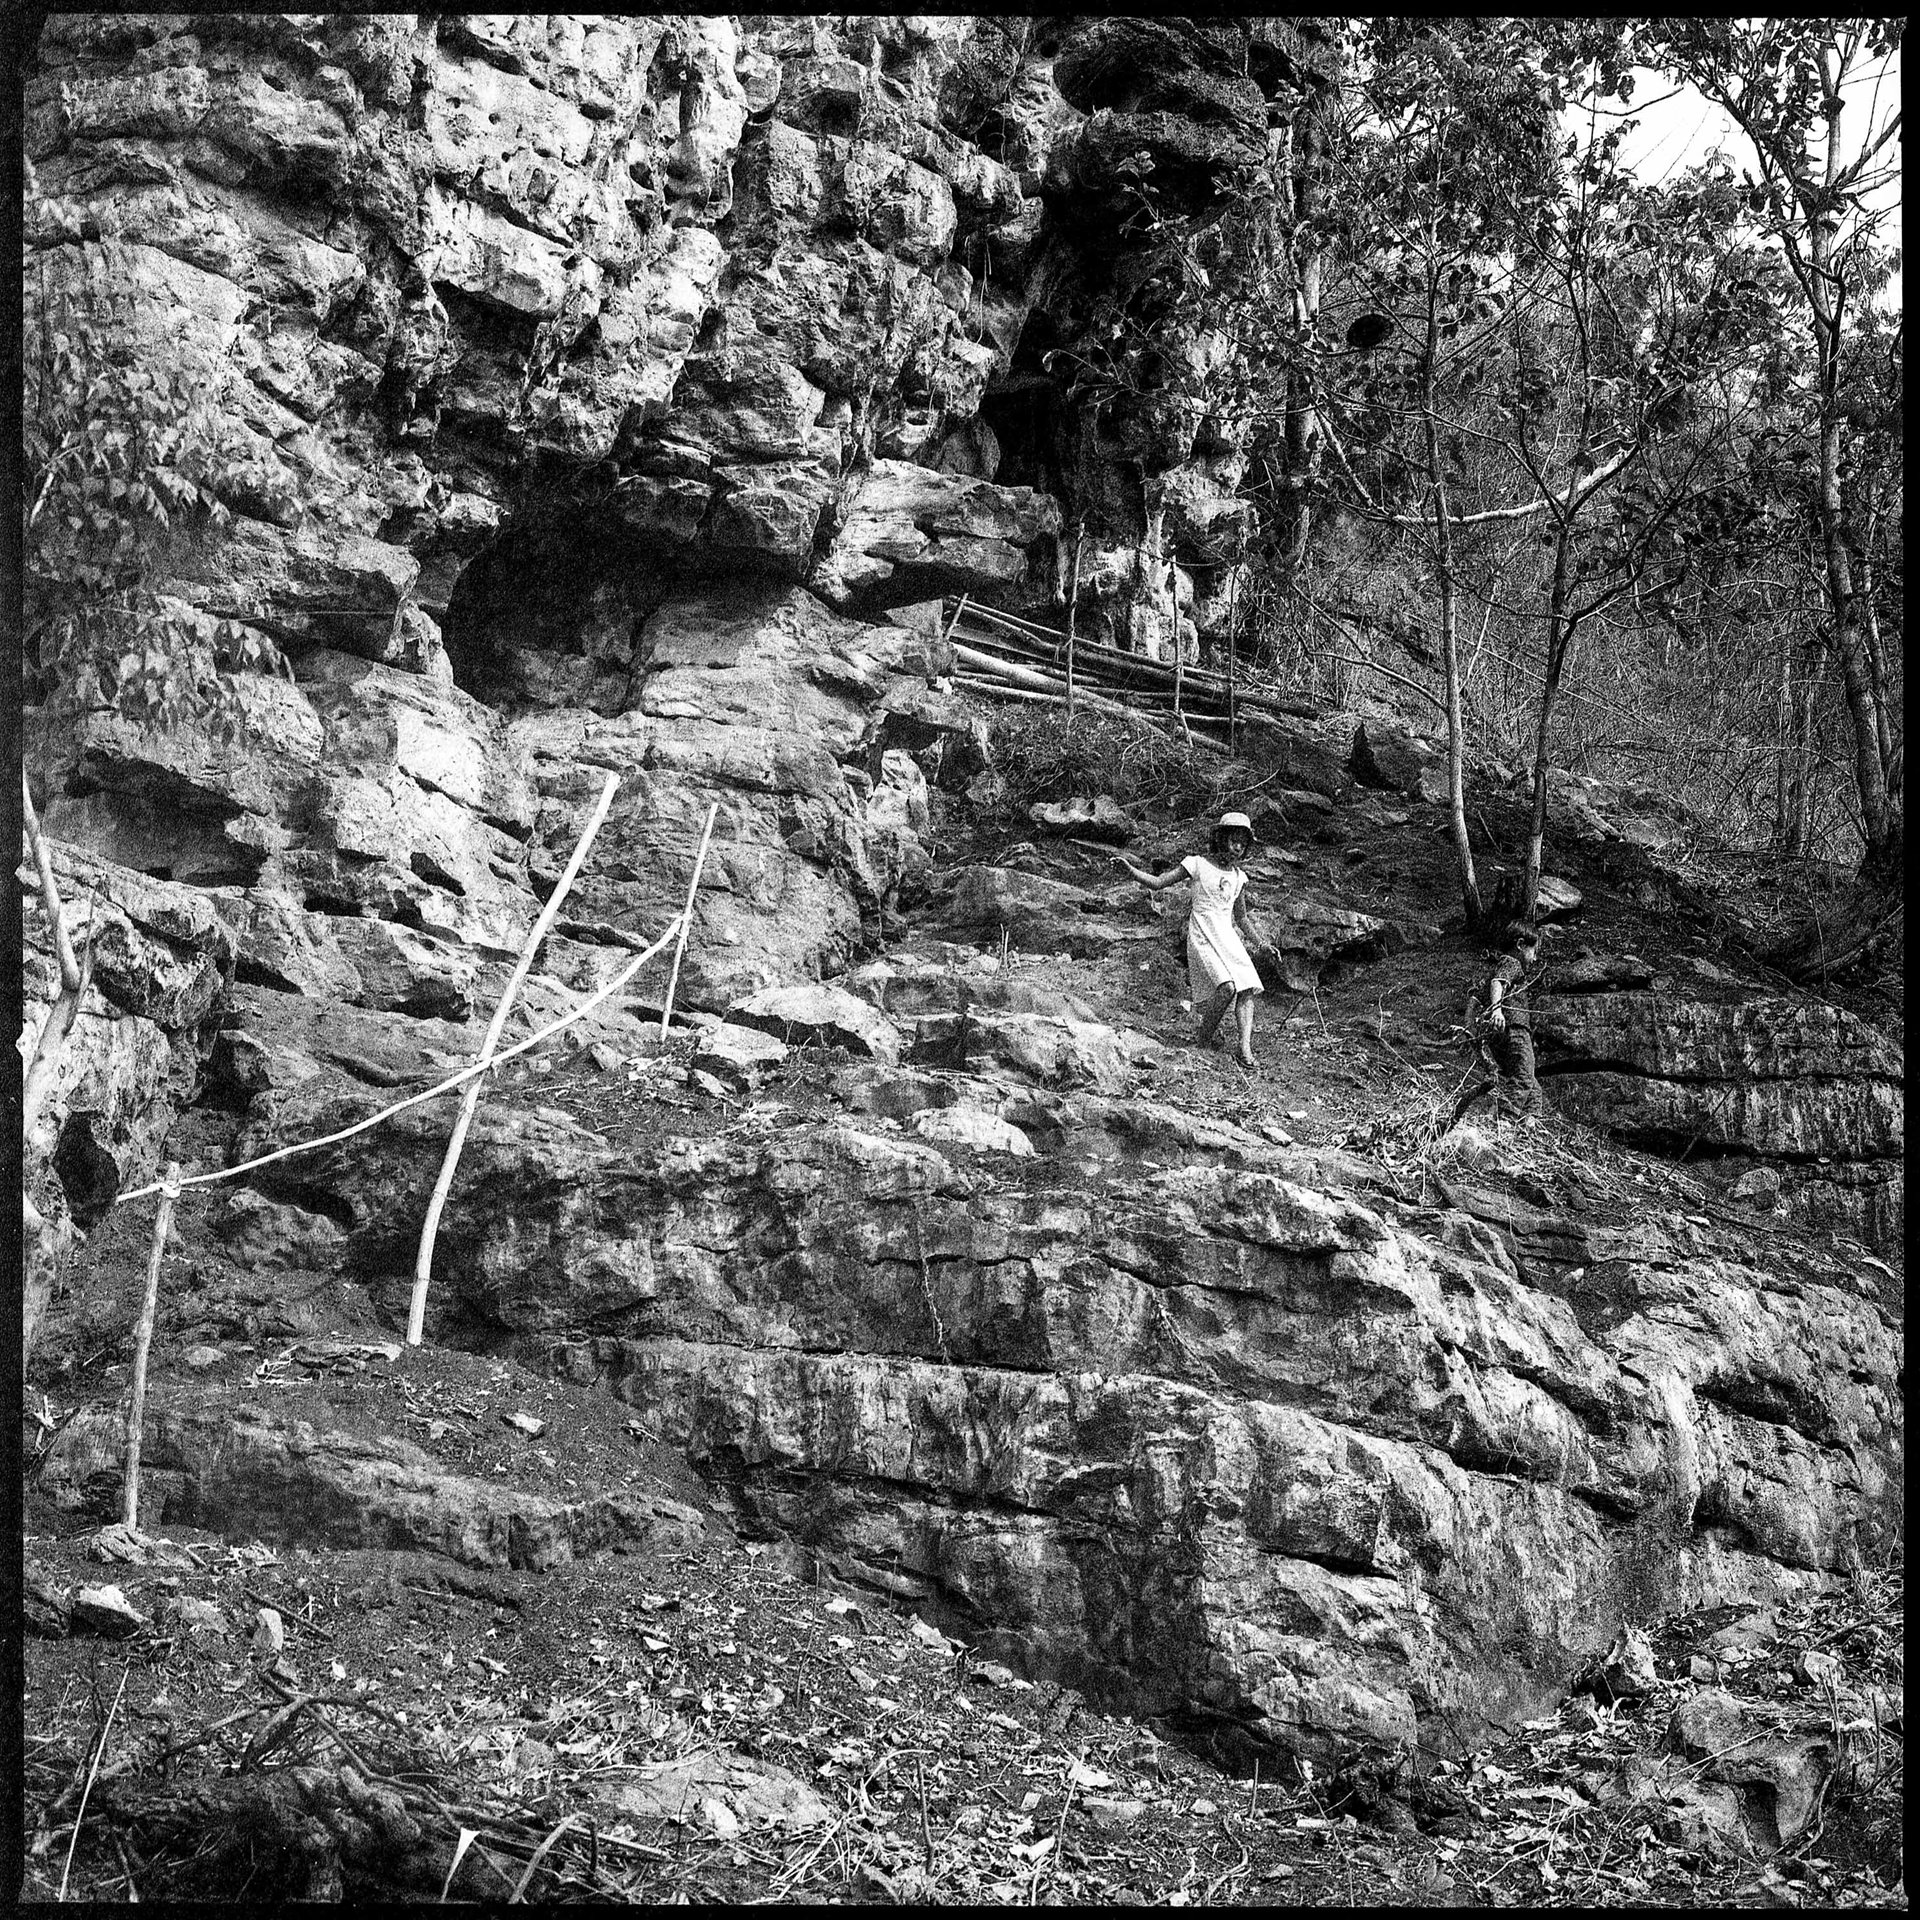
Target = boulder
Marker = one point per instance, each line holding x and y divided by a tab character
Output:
1590	972
1034	1047
968	1127
1202	1341
1556	899
1308	936
1777	1776
1101	818
1396	759
254	1474
1794	1080
105	1611
1759	1188
822	1014
907	533
262	1234
1039	915
737	1055
1369	1431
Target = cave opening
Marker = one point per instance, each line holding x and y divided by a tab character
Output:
1022	407
553	613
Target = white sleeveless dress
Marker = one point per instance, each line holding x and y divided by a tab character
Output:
1216	955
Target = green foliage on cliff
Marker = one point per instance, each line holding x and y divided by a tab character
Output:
124	448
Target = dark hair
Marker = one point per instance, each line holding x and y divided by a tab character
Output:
1217	839
1518	936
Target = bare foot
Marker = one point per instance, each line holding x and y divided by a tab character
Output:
1246	1063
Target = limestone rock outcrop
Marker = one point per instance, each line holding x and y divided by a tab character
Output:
260	1476
1210	1440
1810	1088
162	959
527	332
596	387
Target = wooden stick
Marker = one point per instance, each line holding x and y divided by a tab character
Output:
86	1792
686	916
52	1038
605	991
1073	611
1233	649
423	1261
142	1344
954	623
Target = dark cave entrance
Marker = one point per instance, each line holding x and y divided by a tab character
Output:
553	614
1023	408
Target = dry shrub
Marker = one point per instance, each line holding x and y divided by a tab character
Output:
1042	755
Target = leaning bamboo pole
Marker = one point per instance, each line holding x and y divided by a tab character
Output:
423	1260
538	1038
686	917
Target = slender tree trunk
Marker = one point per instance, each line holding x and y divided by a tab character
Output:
1881	828
1559	644
1876	653
1879	823
1803	715
1790	788
1449	651
1293	149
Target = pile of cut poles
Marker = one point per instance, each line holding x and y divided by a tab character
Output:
1005	656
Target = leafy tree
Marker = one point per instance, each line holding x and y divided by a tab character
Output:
1784	82
1539	327
125	449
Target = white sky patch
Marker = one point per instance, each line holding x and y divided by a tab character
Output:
1675	129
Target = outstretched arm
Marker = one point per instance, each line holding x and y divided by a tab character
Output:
1154	883
1249	927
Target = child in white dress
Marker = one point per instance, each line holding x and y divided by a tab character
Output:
1220	970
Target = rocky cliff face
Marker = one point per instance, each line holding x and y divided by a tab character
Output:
1229	1441
603	383
1807	1100
559	353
